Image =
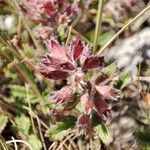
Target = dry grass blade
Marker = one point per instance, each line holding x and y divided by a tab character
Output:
98	24
41	135
66	139
19	141
123	29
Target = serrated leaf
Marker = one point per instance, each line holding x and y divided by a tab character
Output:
58	131
124	80
3	122
23	123
34	142
103	133
20	92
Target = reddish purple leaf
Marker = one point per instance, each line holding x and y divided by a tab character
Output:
54	46
101	106
107	92
63	95
87	103
58	51
49	7
85	54
77	50
100	79
93	62
56	74
53	61
67	66
91	88
84	125
47	60
83	119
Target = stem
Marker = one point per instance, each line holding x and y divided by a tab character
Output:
35	116
29	104
98	23
41	135
19	27
123	29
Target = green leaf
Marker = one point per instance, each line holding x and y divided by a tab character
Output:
10	74
20	92
58	131
124	80
3	122
104	38
4	34
110	70
61	32
35	142
23	123
5	10
103	133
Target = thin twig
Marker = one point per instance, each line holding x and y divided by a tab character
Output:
19	27
140	78
123	29
29	104
19	141
69	35
91	143
72	143
41	135
67	138
139	91
98	23
3	144
52	145
135	78
32	113
15	144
